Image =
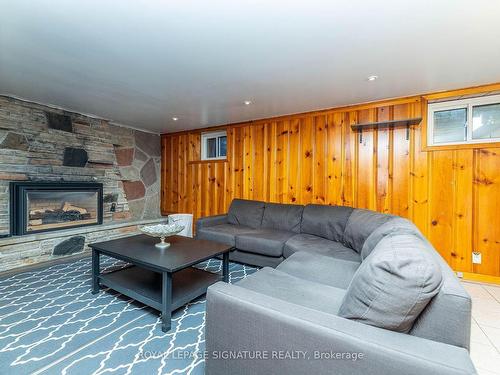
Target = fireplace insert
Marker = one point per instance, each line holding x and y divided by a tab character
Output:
46	206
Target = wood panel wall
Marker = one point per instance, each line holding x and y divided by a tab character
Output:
452	195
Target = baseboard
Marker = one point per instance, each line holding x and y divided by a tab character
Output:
45	264
469	276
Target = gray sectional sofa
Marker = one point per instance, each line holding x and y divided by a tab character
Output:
352	292
264	234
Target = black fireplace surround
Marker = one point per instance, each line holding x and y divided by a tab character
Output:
47	206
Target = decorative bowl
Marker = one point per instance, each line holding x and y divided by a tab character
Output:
162	231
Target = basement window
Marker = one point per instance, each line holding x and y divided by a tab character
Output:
214	145
465	121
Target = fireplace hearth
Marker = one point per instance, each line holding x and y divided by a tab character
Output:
47	206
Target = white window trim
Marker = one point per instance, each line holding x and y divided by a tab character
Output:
458	104
204	137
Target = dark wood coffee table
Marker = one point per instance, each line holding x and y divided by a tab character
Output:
160	278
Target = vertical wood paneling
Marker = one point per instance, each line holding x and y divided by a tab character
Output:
294	158
349	162
319	160
247	163
307	161
229	169
203	197
282	160
272	164
384	163
335	162
400	163
365	165
419	178
199	195
462	211
182	171
194	146
258	152
441	202
452	195
486	210
236	160
175	174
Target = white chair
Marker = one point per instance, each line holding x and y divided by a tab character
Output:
183	219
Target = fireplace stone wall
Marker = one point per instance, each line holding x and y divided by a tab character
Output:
41	143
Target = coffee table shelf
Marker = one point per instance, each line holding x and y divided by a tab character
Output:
163	279
145	286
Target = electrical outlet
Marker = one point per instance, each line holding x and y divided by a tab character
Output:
476	257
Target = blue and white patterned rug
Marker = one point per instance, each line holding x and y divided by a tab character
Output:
50	323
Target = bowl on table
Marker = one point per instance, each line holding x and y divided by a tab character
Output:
162	231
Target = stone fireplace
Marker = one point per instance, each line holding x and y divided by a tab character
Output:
45	145
46	206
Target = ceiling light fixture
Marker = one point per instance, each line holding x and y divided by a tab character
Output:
247	102
175	118
372	78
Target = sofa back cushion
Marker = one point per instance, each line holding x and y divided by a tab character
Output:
360	225
325	221
282	217
394	284
246	212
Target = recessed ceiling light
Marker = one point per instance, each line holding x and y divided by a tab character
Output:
247	102
175	118
371	78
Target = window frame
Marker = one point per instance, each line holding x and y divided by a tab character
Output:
214	134
467	104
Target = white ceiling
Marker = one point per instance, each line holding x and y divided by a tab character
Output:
140	63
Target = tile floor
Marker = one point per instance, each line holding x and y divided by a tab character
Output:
485	335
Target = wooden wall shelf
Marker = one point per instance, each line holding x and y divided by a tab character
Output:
386	124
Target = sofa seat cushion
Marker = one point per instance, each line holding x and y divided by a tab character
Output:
319	245
268	242
319	268
394	284
224	233
295	290
253	259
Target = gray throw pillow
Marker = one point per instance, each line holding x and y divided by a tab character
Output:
397	225
394	284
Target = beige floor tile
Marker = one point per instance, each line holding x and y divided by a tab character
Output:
487	318
493	290
477	291
481	371
477	334
485	328
485	357
493	334
484	305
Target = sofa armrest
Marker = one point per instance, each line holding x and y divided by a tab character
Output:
210	221
242	323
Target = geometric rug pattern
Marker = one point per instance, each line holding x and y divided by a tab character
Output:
50	323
